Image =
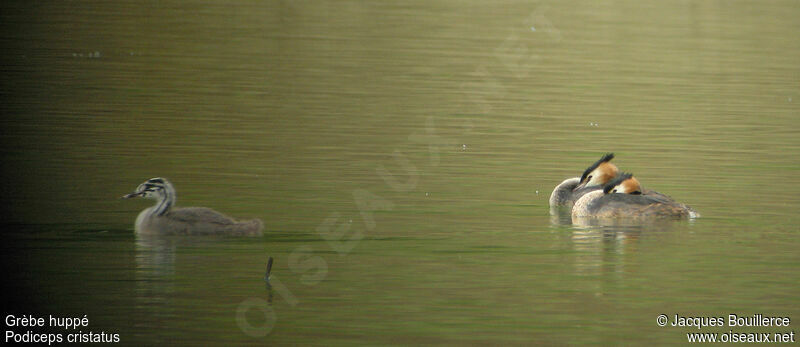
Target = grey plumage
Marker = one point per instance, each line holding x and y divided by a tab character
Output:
566	193
165	219
628	205
624	197
562	193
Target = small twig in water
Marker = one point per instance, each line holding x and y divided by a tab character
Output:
269	269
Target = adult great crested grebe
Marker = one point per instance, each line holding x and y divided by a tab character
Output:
623	197
165	219
593	178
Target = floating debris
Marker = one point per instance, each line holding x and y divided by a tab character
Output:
269	269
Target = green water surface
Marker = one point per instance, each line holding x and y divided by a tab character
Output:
401	156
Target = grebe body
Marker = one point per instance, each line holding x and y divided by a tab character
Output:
624	198
165	219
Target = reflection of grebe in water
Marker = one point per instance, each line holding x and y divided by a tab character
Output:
165	219
593	178
623	197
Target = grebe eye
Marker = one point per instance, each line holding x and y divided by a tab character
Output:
588	178
614	191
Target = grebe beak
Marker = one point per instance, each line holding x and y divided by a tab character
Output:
131	195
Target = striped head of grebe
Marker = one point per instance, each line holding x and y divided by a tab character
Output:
624	183
158	189
599	173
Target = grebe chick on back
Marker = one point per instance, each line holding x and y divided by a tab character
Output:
623	198
593	178
165	219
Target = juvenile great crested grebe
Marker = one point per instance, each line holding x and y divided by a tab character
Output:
165	219
624	197
593	178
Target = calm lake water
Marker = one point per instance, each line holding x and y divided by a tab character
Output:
401	157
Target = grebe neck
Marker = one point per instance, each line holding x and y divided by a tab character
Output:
166	201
